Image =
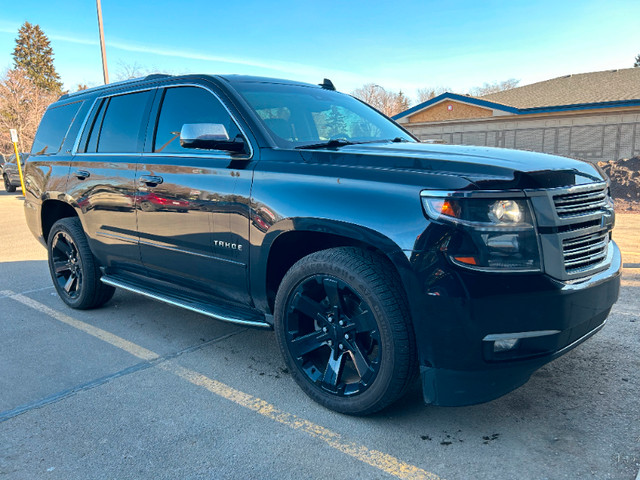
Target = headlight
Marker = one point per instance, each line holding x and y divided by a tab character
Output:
505	211
495	232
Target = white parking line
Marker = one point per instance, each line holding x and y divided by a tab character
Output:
380	460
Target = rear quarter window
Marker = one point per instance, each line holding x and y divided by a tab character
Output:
53	129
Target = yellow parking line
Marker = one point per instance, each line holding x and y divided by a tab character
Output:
114	340
375	458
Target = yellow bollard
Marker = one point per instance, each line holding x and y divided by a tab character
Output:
14	140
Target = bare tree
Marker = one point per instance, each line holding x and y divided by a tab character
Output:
22	104
127	71
495	87
428	93
388	102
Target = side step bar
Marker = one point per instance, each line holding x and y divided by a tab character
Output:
219	312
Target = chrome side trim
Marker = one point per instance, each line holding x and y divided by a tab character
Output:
117	237
161	298
76	144
233	118
198	154
189	252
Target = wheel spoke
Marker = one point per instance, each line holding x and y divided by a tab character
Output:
61	266
365	322
62	245
71	281
360	361
331	289
308	307
308	343
334	370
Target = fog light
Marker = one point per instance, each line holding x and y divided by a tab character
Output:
503	243
504	344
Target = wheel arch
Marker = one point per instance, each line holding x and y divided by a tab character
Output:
51	211
301	237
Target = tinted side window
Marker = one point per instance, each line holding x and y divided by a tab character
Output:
53	129
94	133
122	123
188	105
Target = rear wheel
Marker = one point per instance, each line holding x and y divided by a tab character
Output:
7	185
342	326
73	267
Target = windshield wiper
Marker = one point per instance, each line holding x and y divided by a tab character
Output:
336	142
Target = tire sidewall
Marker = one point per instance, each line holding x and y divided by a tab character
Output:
85	266
360	403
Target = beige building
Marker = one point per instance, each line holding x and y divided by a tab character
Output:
592	116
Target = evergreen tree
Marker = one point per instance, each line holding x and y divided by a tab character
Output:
637	63
336	125
33	55
402	103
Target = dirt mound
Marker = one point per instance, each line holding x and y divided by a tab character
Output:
625	183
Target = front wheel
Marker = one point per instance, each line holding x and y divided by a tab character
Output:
342	325
74	270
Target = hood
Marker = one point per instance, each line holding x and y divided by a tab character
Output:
487	168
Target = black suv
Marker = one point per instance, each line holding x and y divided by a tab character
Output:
278	204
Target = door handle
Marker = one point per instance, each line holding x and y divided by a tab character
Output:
82	174
150	180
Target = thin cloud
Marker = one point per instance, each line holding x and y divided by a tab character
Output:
302	71
287	67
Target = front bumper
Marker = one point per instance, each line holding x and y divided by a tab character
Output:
464	312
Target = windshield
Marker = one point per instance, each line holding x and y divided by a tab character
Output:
297	115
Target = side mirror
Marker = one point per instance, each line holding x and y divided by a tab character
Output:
209	136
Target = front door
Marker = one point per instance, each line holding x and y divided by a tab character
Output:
192	205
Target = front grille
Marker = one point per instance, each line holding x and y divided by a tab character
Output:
586	202
581	253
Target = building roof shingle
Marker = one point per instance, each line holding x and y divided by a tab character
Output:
594	87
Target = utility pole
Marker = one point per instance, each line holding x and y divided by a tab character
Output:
104	53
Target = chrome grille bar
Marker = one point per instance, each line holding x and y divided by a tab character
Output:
584	251
582	203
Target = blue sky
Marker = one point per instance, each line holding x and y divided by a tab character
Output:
400	44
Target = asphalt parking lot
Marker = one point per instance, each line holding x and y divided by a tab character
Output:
139	389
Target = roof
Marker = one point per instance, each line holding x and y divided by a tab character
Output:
457	97
233	79
583	91
594	87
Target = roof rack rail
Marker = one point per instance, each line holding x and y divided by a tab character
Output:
152	76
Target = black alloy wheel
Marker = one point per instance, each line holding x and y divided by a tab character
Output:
67	264
74	270
333	336
342	324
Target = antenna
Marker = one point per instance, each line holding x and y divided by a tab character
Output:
327	84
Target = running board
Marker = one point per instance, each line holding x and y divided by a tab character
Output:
219	312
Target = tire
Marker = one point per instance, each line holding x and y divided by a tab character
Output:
74	270
147	207
7	185
342	325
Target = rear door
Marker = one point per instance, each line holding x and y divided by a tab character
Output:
192	204
102	176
